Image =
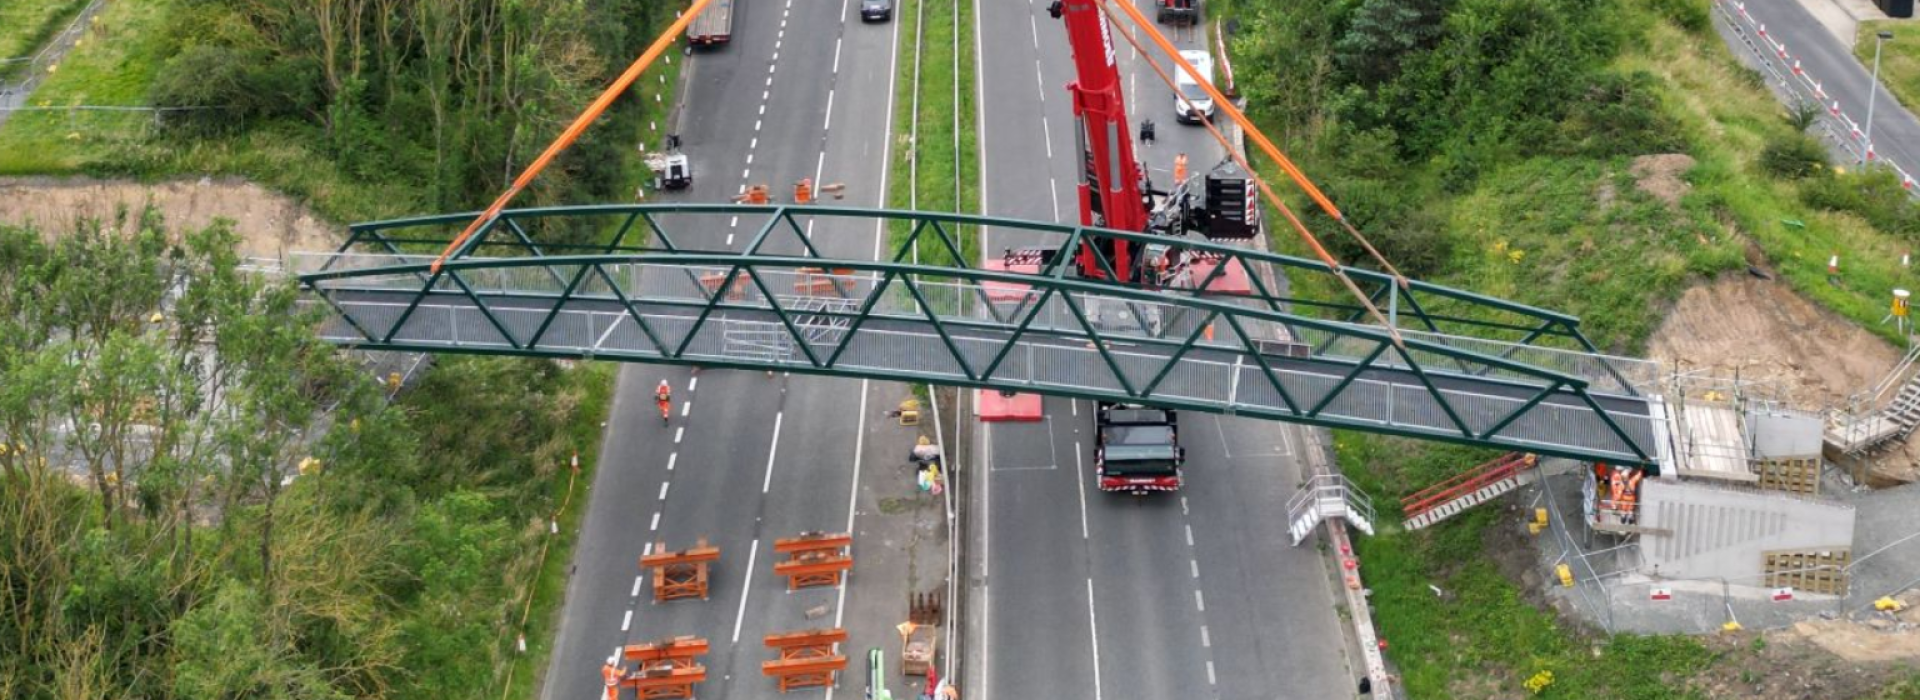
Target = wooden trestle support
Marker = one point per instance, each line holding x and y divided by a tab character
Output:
681	574
814	558
808	658
664	669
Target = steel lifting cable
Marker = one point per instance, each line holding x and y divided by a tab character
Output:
574	130
1298	177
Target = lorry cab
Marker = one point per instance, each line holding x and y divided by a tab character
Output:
1137	449
1190	100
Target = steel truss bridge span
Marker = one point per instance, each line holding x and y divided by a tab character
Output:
651	285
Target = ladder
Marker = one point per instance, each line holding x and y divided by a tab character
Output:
1474	487
1854	432
1327	496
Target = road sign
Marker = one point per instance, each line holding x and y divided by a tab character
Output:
1782	594
1661	594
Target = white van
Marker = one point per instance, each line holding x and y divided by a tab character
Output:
1190	100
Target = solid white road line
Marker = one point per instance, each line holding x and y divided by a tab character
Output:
746	587
767	483
1081	482
1093	632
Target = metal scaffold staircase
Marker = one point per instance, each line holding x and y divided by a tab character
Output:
1327	496
1474	487
1859	429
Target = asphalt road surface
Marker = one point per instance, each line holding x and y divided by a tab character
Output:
1095	595
1896	133
802	92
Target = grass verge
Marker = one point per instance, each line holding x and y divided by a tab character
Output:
937	170
1899	57
26	25
596	381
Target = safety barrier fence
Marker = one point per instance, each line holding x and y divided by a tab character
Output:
1786	72
1610	591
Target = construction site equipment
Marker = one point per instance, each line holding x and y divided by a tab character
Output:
672	170
1327	496
1468	489
681	574
808	658
822	281
1859	428
667	668
1177	11
877	675
920	635
1817	571
714	26
814	559
755	194
803	191
1136	448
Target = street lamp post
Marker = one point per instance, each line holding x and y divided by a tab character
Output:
1873	91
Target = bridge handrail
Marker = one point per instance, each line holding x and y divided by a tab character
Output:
1569	322
681	259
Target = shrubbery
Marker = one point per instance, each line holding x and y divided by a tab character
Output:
1794	157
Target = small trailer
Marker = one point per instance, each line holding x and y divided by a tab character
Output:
714	26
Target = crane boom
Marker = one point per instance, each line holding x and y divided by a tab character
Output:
1110	191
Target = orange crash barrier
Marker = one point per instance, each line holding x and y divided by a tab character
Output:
736	291
681	574
807	658
814	558
814	280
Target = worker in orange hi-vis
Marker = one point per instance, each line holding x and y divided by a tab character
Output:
1179	168
755	194
611	674
803	191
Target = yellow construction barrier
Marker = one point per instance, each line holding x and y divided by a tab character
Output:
1566	575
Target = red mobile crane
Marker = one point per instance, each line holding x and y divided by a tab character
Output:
1114	192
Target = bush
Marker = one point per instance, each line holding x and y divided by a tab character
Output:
1875	196
1793	158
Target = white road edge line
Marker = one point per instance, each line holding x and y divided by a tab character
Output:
746	588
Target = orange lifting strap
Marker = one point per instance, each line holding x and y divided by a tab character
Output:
578	127
683	574
814	559
807	658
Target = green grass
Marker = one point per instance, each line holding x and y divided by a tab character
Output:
1619	268
946	177
596	381
26	25
1899	57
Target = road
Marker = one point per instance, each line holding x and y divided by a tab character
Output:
1896	133
1094	595
802	91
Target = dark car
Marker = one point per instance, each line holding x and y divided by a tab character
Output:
876	10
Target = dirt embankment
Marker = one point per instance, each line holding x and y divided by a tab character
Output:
1763	332
270	224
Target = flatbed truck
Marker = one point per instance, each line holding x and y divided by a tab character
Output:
714	26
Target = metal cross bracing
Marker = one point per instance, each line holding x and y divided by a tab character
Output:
656	286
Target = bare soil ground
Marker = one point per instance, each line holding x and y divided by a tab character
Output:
270	224
1662	176
1764	332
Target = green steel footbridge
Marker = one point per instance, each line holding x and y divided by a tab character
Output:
668	284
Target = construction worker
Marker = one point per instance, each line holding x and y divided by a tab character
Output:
663	396
1179	168
803	191
611	674
1630	498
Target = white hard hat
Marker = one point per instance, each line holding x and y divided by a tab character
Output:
610	660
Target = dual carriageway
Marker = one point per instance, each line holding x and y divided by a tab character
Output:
1070	593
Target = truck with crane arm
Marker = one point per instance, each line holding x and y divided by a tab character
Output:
1137	449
